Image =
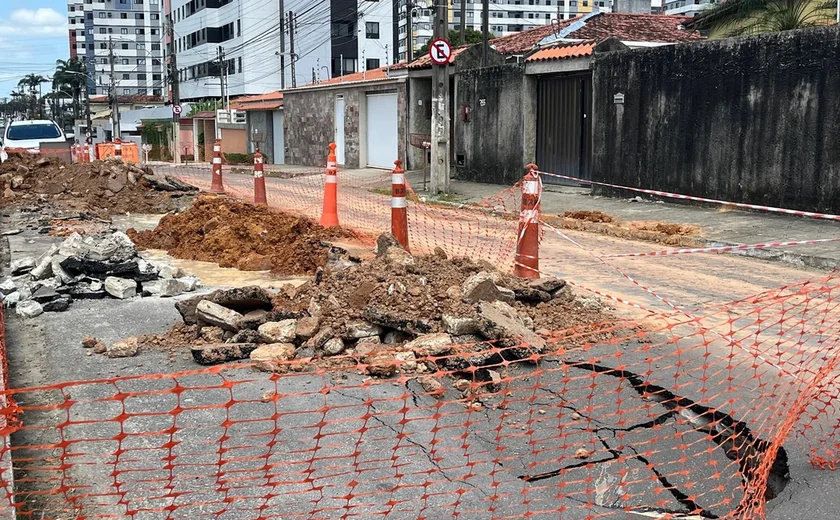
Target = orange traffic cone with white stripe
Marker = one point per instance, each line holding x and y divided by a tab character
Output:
259	180
399	211
329	215
118	148
527	262
216	186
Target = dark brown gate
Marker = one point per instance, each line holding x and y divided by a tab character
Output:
564	126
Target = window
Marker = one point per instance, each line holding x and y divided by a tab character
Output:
371	63
238	27
138	2
102	15
138	16
156	62
103	45
239	64
548	16
125	46
104	61
372	31
155	16
126	76
40	130
585	3
156	92
141	61
124	61
89	16
139	31
141	77
155	46
153	2
530	15
124	31
102	30
126	92
572	3
156	77
123	16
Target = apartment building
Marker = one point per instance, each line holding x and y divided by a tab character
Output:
687	7
134	30
330	37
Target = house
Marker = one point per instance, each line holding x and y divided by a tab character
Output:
533	100
264	124
363	113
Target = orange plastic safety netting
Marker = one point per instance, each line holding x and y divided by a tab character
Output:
669	414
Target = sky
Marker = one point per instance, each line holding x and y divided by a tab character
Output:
33	35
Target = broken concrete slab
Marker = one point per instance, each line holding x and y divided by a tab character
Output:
481	287
381	363
271	358
499	320
531	295
29	309
167	271
393	319
215	314
459	325
190	283
431	345
146	271
549	285
63	276
121	288
221	352
241	300
213	334
124	348
165	287
87	290
11	299
278	331
333	347
22	265
43	267
253	319
245	336
8	286
307	327
361	329
44	294
384	243
318	340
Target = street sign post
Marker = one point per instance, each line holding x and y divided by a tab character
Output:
440	51
176	109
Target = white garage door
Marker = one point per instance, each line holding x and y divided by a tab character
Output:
382	130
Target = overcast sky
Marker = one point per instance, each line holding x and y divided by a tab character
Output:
33	34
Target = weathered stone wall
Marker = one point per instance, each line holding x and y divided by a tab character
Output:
744	119
310	119
490	145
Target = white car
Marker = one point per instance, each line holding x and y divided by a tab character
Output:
28	135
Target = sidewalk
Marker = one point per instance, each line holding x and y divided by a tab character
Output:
719	226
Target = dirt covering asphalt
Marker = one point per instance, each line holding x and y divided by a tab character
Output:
100	188
238	234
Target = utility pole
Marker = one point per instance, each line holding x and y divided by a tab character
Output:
282	47
292	46
115	99
176	99
409	50
88	122
440	111
485	30
463	22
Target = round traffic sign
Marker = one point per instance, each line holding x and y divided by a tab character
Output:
176	109
440	51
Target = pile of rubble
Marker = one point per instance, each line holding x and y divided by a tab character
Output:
90	267
237	234
395	313
101	187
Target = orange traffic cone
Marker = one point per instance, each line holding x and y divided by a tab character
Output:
399	211
118	148
259	180
329	215
216	186
527	262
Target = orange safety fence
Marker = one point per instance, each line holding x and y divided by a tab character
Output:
657	415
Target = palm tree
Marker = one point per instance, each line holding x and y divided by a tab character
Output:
745	17
32	81
71	75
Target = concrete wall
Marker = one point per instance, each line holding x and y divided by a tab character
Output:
419	117
234	138
309	122
491	143
750	120
262	121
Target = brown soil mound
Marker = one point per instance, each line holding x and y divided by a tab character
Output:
589	216
665	228
101	187
237	234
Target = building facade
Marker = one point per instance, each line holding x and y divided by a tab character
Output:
133	30
254	42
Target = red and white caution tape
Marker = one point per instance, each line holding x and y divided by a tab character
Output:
724	249
680	196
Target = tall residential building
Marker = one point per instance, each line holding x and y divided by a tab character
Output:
135	31
687	7
330	37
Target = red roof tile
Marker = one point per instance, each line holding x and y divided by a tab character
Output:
270	101
356	77
564	50
655	28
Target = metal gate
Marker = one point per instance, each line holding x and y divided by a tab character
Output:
564	126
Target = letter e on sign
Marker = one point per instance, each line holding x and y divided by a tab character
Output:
440	51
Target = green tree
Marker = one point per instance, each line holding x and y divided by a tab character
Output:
71	76
470	35
745	17
33	83
205	105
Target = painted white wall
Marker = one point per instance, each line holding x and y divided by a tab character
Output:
383	47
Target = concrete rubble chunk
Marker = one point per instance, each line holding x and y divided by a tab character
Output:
121	288
531	295
43	267
44	294
167	271
22	265
495	380
278	331
361	329
245	336
431	345
394	319
29	309
213	354
459	326
215	314
407	361
307	327
333	347
549	285
146	271
271	358
381	363
366	346
338	259
123	348
481	287
384	243
8	286
11	299
63	276
499	320
86	290
212	334
190	283
241	300
165	287
565	294
318	340
431	385
89	342
253	319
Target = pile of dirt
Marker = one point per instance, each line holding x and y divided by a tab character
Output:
682	235
683	230
589	216
101	187
237	234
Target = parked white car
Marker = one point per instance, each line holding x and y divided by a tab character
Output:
28	135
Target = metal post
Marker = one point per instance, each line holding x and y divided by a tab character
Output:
409	51
440	112
176	101
485	30
282	47
463	22
114	98
292	46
